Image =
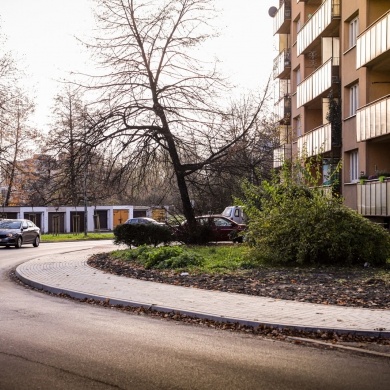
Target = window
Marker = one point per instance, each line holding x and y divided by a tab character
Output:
299	25
299	126
298	77
353	99
353	166
221	222
353	32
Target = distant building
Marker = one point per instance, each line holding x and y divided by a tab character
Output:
67	219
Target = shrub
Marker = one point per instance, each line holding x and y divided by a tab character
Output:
142	234
298	225
200	235
166	257
183	260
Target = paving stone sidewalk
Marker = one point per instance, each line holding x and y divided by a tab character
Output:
70	274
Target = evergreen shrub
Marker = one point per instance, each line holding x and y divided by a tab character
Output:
201	234
166	257
142	234
293	223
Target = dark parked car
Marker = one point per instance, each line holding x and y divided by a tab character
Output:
222	228
17	232
143	220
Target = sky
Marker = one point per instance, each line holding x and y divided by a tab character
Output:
41	36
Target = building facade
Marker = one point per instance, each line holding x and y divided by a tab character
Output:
332	78
75	220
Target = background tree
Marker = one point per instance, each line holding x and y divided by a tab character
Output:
17	138
78	171
159	102
19	144
251	159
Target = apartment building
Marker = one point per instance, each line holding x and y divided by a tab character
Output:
332	83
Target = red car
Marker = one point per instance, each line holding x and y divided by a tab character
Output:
223	229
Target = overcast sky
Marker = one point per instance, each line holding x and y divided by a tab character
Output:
41	34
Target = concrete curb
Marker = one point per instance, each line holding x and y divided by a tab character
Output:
196	314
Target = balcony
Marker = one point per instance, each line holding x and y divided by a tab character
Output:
282	19
315	142
373	42
281	155
318	82
283	110
282	87
282	64
373	198
373	120
324	22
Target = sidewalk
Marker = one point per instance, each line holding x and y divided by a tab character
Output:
69	274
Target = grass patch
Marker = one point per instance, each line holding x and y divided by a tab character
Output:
228	259
197	259
76	237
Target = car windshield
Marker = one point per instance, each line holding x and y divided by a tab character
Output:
10	224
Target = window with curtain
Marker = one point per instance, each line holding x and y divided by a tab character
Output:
353	32
353	99
354	166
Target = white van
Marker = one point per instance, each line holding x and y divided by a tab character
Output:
236	213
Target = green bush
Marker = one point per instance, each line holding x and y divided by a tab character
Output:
183	260
166	257
200	235
142	234
296	224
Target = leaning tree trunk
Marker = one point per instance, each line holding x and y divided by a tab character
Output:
188	210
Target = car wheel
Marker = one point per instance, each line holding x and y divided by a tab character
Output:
18	243
36	241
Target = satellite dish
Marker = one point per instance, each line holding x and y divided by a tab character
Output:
272	11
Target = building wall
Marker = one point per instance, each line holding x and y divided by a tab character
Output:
372	78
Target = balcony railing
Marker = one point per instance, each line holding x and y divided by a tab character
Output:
282	19
325	190
317	24
281	155
318	82
282	87
315	142
282	64
373	198
373	120
373	42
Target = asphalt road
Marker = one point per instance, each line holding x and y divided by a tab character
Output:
51	343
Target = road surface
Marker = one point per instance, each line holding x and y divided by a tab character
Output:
47	342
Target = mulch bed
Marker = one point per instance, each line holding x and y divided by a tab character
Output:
366	287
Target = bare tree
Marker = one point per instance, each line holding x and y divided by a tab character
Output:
17	137
251	158
158	99
79	170
21	136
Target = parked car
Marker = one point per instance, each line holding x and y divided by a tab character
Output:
17	232
236	213
223	229
143	220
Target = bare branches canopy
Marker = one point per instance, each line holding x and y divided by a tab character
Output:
156	99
